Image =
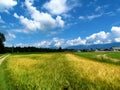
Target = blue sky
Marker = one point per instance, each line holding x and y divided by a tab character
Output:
55	23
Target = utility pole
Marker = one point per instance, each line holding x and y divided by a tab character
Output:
12	48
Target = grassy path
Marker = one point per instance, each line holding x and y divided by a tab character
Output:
2	74
3	57
59	71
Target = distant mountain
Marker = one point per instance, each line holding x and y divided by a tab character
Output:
99	46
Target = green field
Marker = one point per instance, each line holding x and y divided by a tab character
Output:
1	55
60	71
106	57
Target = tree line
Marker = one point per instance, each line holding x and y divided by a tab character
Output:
4	49
30	49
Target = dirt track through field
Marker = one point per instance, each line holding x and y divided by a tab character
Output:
2	58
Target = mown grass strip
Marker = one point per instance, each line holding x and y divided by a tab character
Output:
115	55
3	78
99	56
1	56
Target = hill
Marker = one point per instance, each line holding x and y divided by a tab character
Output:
99	46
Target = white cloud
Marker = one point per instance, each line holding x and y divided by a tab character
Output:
111	13
39	20
94	16
44	44
55	42
97	38
101	8
115	34
22	45
5	5
90	17
98	42
58	42
1	20
81	17
52	33
115	31
59	21
77	41
98	8
17	45
29	24
99	12
56	6
92	3
20	31
117	39
66	15
118	9
15	15
10	36
101	37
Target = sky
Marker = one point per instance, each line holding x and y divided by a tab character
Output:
59	23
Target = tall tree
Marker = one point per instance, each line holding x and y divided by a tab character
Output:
2	39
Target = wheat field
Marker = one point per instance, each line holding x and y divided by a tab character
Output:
58	71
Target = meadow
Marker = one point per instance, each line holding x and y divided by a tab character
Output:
1	55
60	71
106	57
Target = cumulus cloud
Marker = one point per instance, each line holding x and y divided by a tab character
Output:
59	21
5	5
101	37
56	6
55	42
77	41
29	24
115	31
39	20
117	39
115	34
45	19
58	42
22	45
97	38
44	44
